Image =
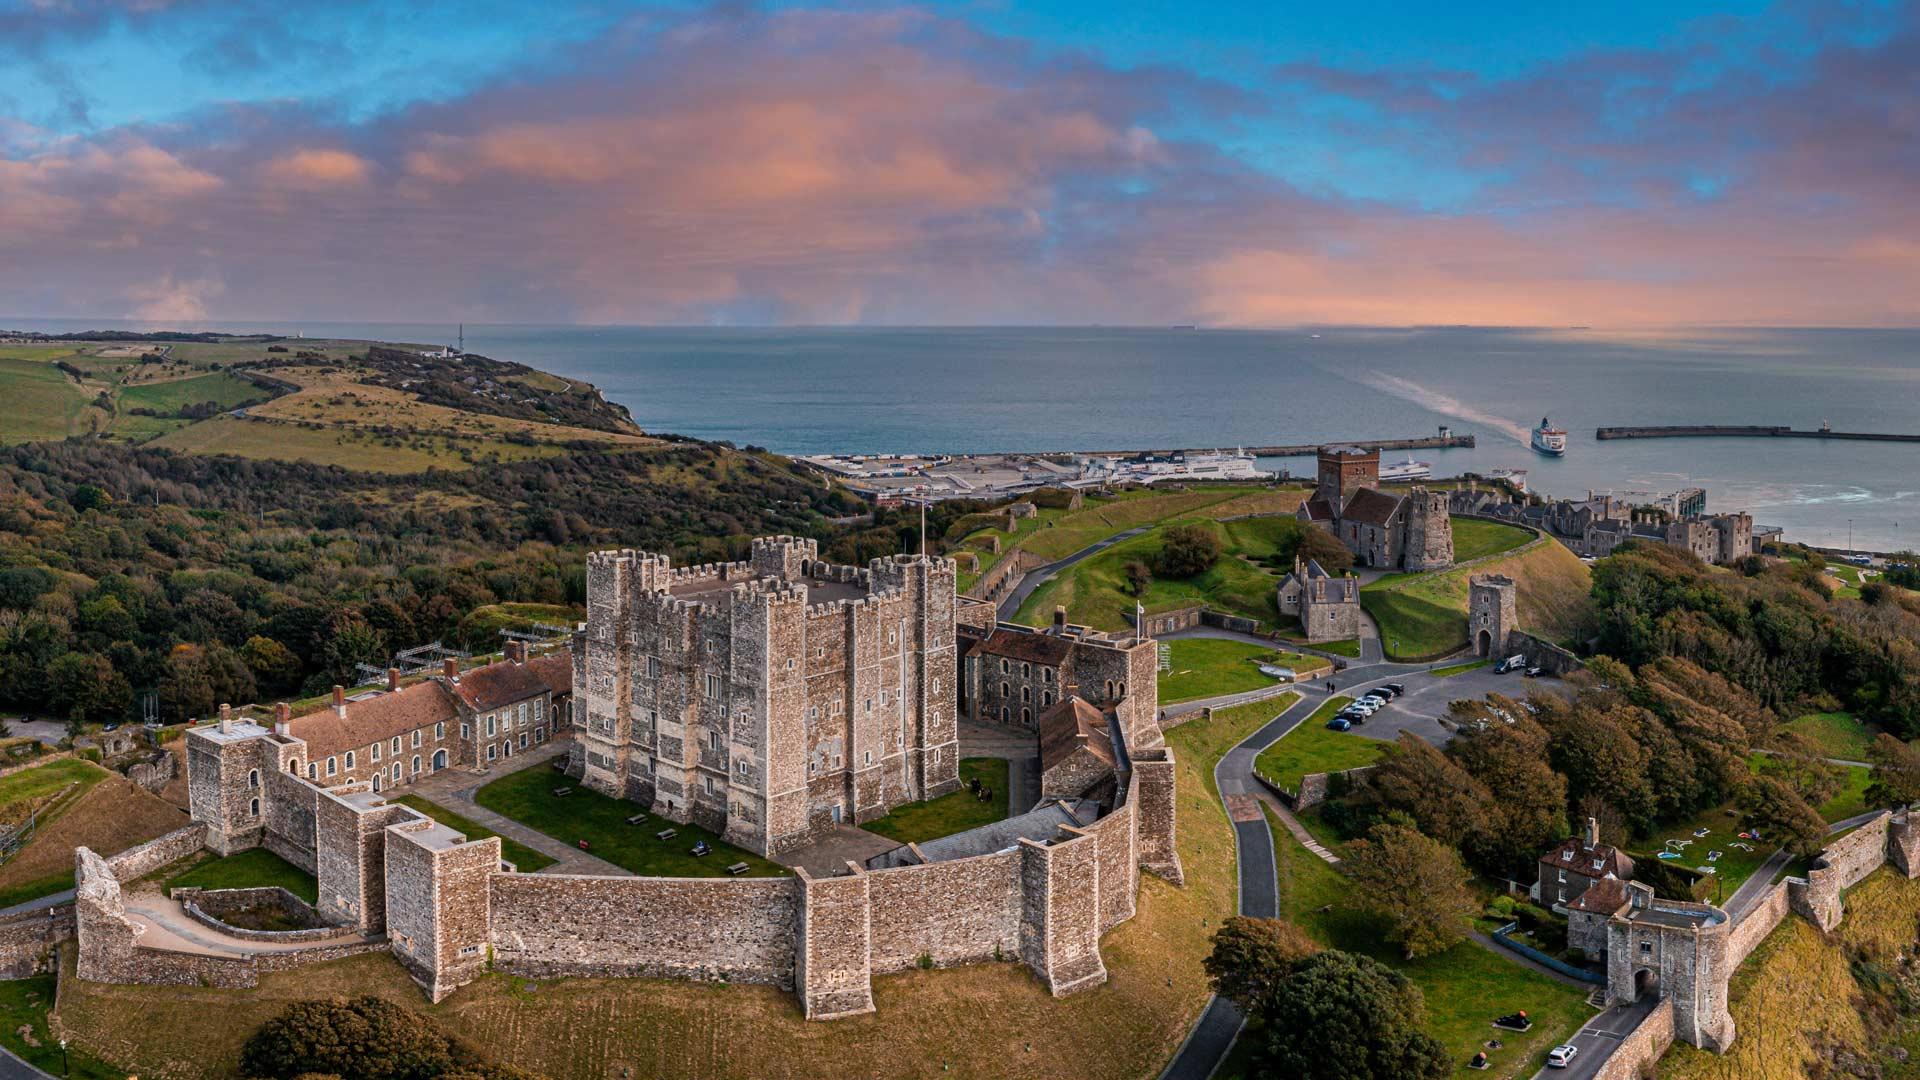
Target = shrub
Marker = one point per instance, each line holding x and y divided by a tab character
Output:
365	1038
1187	550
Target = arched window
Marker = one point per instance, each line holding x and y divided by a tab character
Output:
1026	717
376	781
254	807
416	764
1109	688
349	761
253	777
439	760
293	766
1003	714
1123	688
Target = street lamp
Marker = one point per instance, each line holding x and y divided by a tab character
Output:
63	1057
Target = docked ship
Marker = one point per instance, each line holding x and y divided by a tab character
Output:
1406	470
1178	466
1550	440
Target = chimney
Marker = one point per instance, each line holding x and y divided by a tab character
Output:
1059	620
450	669
393	678
517	651
340	701
283	719
226	723
226	714
1593	833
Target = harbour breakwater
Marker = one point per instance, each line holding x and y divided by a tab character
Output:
1446	439
1744	431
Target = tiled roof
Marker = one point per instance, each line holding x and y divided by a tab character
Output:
1032	647
1604	897
1371	507
1070	725
1317	510
556	670
374	719
494	685
1574	856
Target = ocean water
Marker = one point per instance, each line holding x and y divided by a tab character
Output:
981	389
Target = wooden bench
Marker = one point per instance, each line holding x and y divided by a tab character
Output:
636	819
562	792
738	868
666	834
699	849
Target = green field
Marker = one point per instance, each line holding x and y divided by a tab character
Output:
43	780
1212	667
1451	670
1465	987
1475	539
1312	747
1424	616
1837	734
352	449
524	858
226	391
38	401
953	812
1730	870
255	868
528	797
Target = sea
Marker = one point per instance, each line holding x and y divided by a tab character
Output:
958	390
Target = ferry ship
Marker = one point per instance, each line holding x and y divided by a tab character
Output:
1406	470
1157	468
1550	440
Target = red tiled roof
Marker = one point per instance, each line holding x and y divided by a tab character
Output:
1604	897
556	670
1317	510
1602	860
1034	647
1070	725
498	684
373	719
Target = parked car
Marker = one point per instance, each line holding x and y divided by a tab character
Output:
1561	1056
1535	671
1340	723
1365	706
1351	717
1511	663
1394	688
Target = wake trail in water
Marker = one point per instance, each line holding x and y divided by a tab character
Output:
1444	405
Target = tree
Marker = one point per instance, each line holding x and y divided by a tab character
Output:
1138	577
1896	772
1345	1017
273	664
1800	763
1187	550
84	688
1321	546
1429	787
1414	882
365	1038
1251	957
1770	805
1530	812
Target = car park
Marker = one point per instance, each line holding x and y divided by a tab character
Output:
1364	705
1561	1056
1511	663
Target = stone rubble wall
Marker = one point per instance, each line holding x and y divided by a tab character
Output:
1758	921
832	971
959	912
1313	786
212	907
27	941
1059	929
137	862
1642	1047
156	772
1840	867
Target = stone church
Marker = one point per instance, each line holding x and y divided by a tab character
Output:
1383	530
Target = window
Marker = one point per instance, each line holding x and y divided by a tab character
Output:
416	738
890	637
523	740
713	740
1026	717
869	706
713	686
1046	699
539	712
253	777
1026	693
293	766
439	760
463	730
490	751
813	713
869	757
439	730
1026	671
1563	895
1563	875
936	686
416	765
740	767
653	667
349	761
1003	665
330	769
789	663
523	714
490	727
883	699
711	788
376	751
820	652
396	771
254	808
1646	948
469	950
396	744
1005	689
313	771
1046	674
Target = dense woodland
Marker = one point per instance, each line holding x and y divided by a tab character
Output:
208	579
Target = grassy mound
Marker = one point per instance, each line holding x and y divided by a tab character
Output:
112	815
1424	616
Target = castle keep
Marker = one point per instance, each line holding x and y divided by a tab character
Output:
1400	532
768	699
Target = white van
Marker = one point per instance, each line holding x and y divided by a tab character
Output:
1515	662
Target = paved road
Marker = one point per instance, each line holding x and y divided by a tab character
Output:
65	896
12	1068
1010	604
1598	1038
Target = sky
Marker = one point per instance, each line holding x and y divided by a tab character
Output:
1383	162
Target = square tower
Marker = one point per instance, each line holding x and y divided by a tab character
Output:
1344	470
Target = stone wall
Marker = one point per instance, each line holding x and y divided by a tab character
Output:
1841	866
156	772
213	907
1641	1048
1059	929
957	912
27	941
138	862
1151	793
1756	923
1119	855
832	955
740	930
1542	653
1314	786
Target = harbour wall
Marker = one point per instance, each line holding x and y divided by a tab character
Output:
1745	431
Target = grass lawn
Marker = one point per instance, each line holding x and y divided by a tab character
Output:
1734	865
983	1020
1424	616
1460	669
37	783
956	811
527	797
1413	625
1851	799
255	868
1465	987
24	1004
1311	747
1837	734
1211	667
1475	539
515	852
1349	648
